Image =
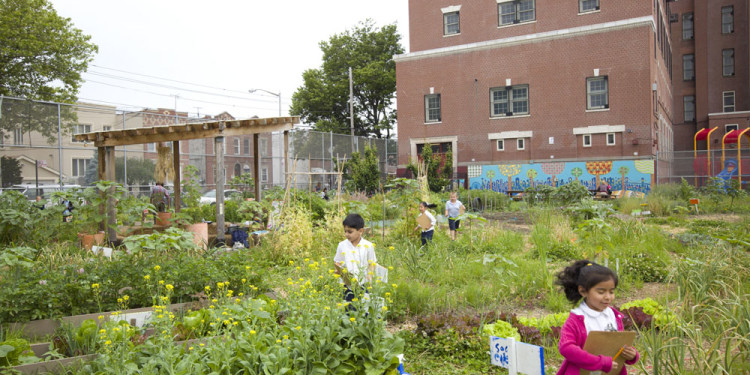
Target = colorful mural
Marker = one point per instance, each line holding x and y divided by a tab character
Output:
633	175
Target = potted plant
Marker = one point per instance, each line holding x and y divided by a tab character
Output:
191	219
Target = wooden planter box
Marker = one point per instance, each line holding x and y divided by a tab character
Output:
38	329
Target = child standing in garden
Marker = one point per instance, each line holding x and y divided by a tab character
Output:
452	211
596	285
427	231
356	255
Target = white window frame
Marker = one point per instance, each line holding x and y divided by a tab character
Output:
729	127
582	3
510	99
246	146
79	166
18	136
151	147
517	12
591	93
586	140
520	144
726	95
688	99
500	144
613	136
727	19
727	62
106	128
688	67
79	129
236	146
428	116
264	175
688	26
447	24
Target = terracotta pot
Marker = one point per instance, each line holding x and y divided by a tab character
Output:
89	240
163	219
200	234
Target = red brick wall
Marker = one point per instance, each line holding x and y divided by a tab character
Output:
479	19
556	73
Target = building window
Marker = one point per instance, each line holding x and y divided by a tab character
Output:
587	140
688	67
587	6
246	146
263	144
501	145
151	147
509	101
520	144
264	175
730	127
727	20
237	169
597	93
611	139
688	104
518	11
451	23
727	62
79	167
106	128
17	136
432	108
236	146
80	129
687	26
728	101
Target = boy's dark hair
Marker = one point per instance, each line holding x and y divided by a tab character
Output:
583	273
354	221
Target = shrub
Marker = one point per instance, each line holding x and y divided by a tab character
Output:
571	193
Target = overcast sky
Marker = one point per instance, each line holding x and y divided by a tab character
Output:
227	46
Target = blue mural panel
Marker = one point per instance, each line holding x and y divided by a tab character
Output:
632	175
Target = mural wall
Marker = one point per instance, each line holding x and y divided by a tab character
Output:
632	175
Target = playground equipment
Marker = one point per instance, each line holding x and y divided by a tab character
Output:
732	166
702	165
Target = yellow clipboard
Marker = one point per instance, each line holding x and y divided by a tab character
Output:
607	343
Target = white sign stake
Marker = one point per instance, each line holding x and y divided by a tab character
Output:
517	357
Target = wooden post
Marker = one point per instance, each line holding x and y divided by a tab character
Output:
256	164
219	152
286	153
109	171
101	170
176	181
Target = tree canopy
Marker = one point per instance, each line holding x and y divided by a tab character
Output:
42	57
323	100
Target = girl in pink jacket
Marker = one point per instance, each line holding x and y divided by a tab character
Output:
596	285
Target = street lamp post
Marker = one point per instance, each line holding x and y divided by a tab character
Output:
269	92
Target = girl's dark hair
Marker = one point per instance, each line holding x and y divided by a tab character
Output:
428	205
583	273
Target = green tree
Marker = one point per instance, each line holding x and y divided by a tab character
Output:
43	55
361	171
437	176
42	58
11	169
140	171
324	97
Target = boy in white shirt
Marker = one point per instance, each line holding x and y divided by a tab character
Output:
356	255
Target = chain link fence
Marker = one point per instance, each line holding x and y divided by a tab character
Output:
697	168
39	135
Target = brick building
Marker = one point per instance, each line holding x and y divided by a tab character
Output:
539	91
711	69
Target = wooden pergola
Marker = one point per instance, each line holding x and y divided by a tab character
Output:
106	141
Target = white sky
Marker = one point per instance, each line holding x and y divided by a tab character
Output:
232	45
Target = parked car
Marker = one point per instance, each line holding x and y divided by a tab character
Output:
210	196
30	191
